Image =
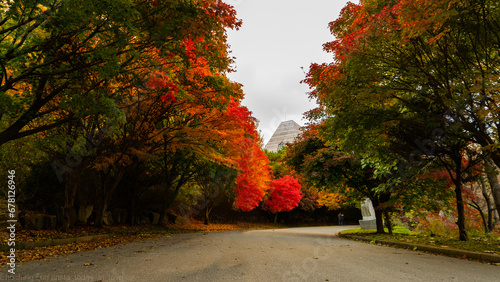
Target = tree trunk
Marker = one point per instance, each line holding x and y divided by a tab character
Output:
487	199
379	221
485	222
132	210
476	205
164	210
101	210
170	198
494	157
207	210
110	183
388	221
275	218
378	214
460	203
492	174
207	216
163	215
69	203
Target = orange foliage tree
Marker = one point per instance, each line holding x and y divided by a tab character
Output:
176	115
161	87
253	164
59	59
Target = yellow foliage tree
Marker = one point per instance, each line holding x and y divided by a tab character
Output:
333	201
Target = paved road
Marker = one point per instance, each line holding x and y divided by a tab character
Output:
295	254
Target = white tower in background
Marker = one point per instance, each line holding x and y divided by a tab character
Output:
286	132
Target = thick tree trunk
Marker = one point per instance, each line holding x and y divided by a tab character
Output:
460	203
388	221
492	174
461	214
169	200
379	213
166	206
101	210
379	221
110	184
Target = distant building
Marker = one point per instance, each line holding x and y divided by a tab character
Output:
286	132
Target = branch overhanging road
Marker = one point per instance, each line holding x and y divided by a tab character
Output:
294	254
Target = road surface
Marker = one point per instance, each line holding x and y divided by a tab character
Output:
295	254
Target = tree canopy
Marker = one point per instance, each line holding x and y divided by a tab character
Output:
413	80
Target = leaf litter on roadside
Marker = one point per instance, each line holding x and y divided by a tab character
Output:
124	234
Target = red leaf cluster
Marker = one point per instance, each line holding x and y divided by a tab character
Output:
159	81
285	195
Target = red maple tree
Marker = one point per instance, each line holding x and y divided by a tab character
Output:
285	195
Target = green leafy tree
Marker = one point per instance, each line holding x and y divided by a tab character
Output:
276	162
217	183
330	170
408	68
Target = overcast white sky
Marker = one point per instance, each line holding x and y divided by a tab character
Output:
277	38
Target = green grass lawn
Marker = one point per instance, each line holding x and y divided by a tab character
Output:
489	243
395	230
